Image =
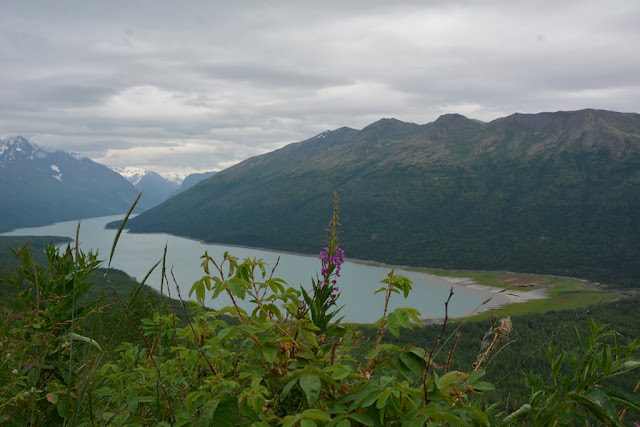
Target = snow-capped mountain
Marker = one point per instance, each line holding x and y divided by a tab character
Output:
39	186
155	188
132	174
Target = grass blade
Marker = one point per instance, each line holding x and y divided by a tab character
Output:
124	221
135	292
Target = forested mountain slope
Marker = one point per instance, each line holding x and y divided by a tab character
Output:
40	186
551	192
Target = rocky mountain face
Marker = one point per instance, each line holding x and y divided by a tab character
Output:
40	186
550	192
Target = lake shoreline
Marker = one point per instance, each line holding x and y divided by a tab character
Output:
486	297
501	297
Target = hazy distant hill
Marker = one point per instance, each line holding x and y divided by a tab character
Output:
155	188
549	192
39	186
193	179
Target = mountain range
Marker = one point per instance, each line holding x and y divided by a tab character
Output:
551	193
40	186
156	188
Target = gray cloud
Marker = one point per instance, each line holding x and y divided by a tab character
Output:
200	85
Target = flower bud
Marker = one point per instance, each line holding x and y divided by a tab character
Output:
14	372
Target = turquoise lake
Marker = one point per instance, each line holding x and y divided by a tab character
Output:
137	253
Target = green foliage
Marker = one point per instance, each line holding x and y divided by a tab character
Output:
582	393
44	344
274	367
263	360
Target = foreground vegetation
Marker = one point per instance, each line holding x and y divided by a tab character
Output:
289	361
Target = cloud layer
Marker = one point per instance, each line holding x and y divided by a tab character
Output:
201	85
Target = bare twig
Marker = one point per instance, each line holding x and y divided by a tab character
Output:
273	270
435	344
453	347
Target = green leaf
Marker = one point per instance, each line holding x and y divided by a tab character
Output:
381	402
476	375
226	413
479	416
290	420
310	385
371	398
307	423
483	386
606	358
287	388
415	419
198	288
627	366
623	397
451	377
315	414
270	352
518	415
237	287
444	415
364	394
64	407
598	403
381	348
339	372
392	324
412	362
420	352
362	419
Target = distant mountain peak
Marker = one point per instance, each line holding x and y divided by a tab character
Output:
40	186
387	122
452	118
16	148
334	133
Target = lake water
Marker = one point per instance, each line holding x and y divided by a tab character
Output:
137	253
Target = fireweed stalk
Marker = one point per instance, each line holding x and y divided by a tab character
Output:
325	289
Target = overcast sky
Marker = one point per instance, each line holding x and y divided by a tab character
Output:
187	86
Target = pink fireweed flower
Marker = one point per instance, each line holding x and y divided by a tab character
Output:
325	291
